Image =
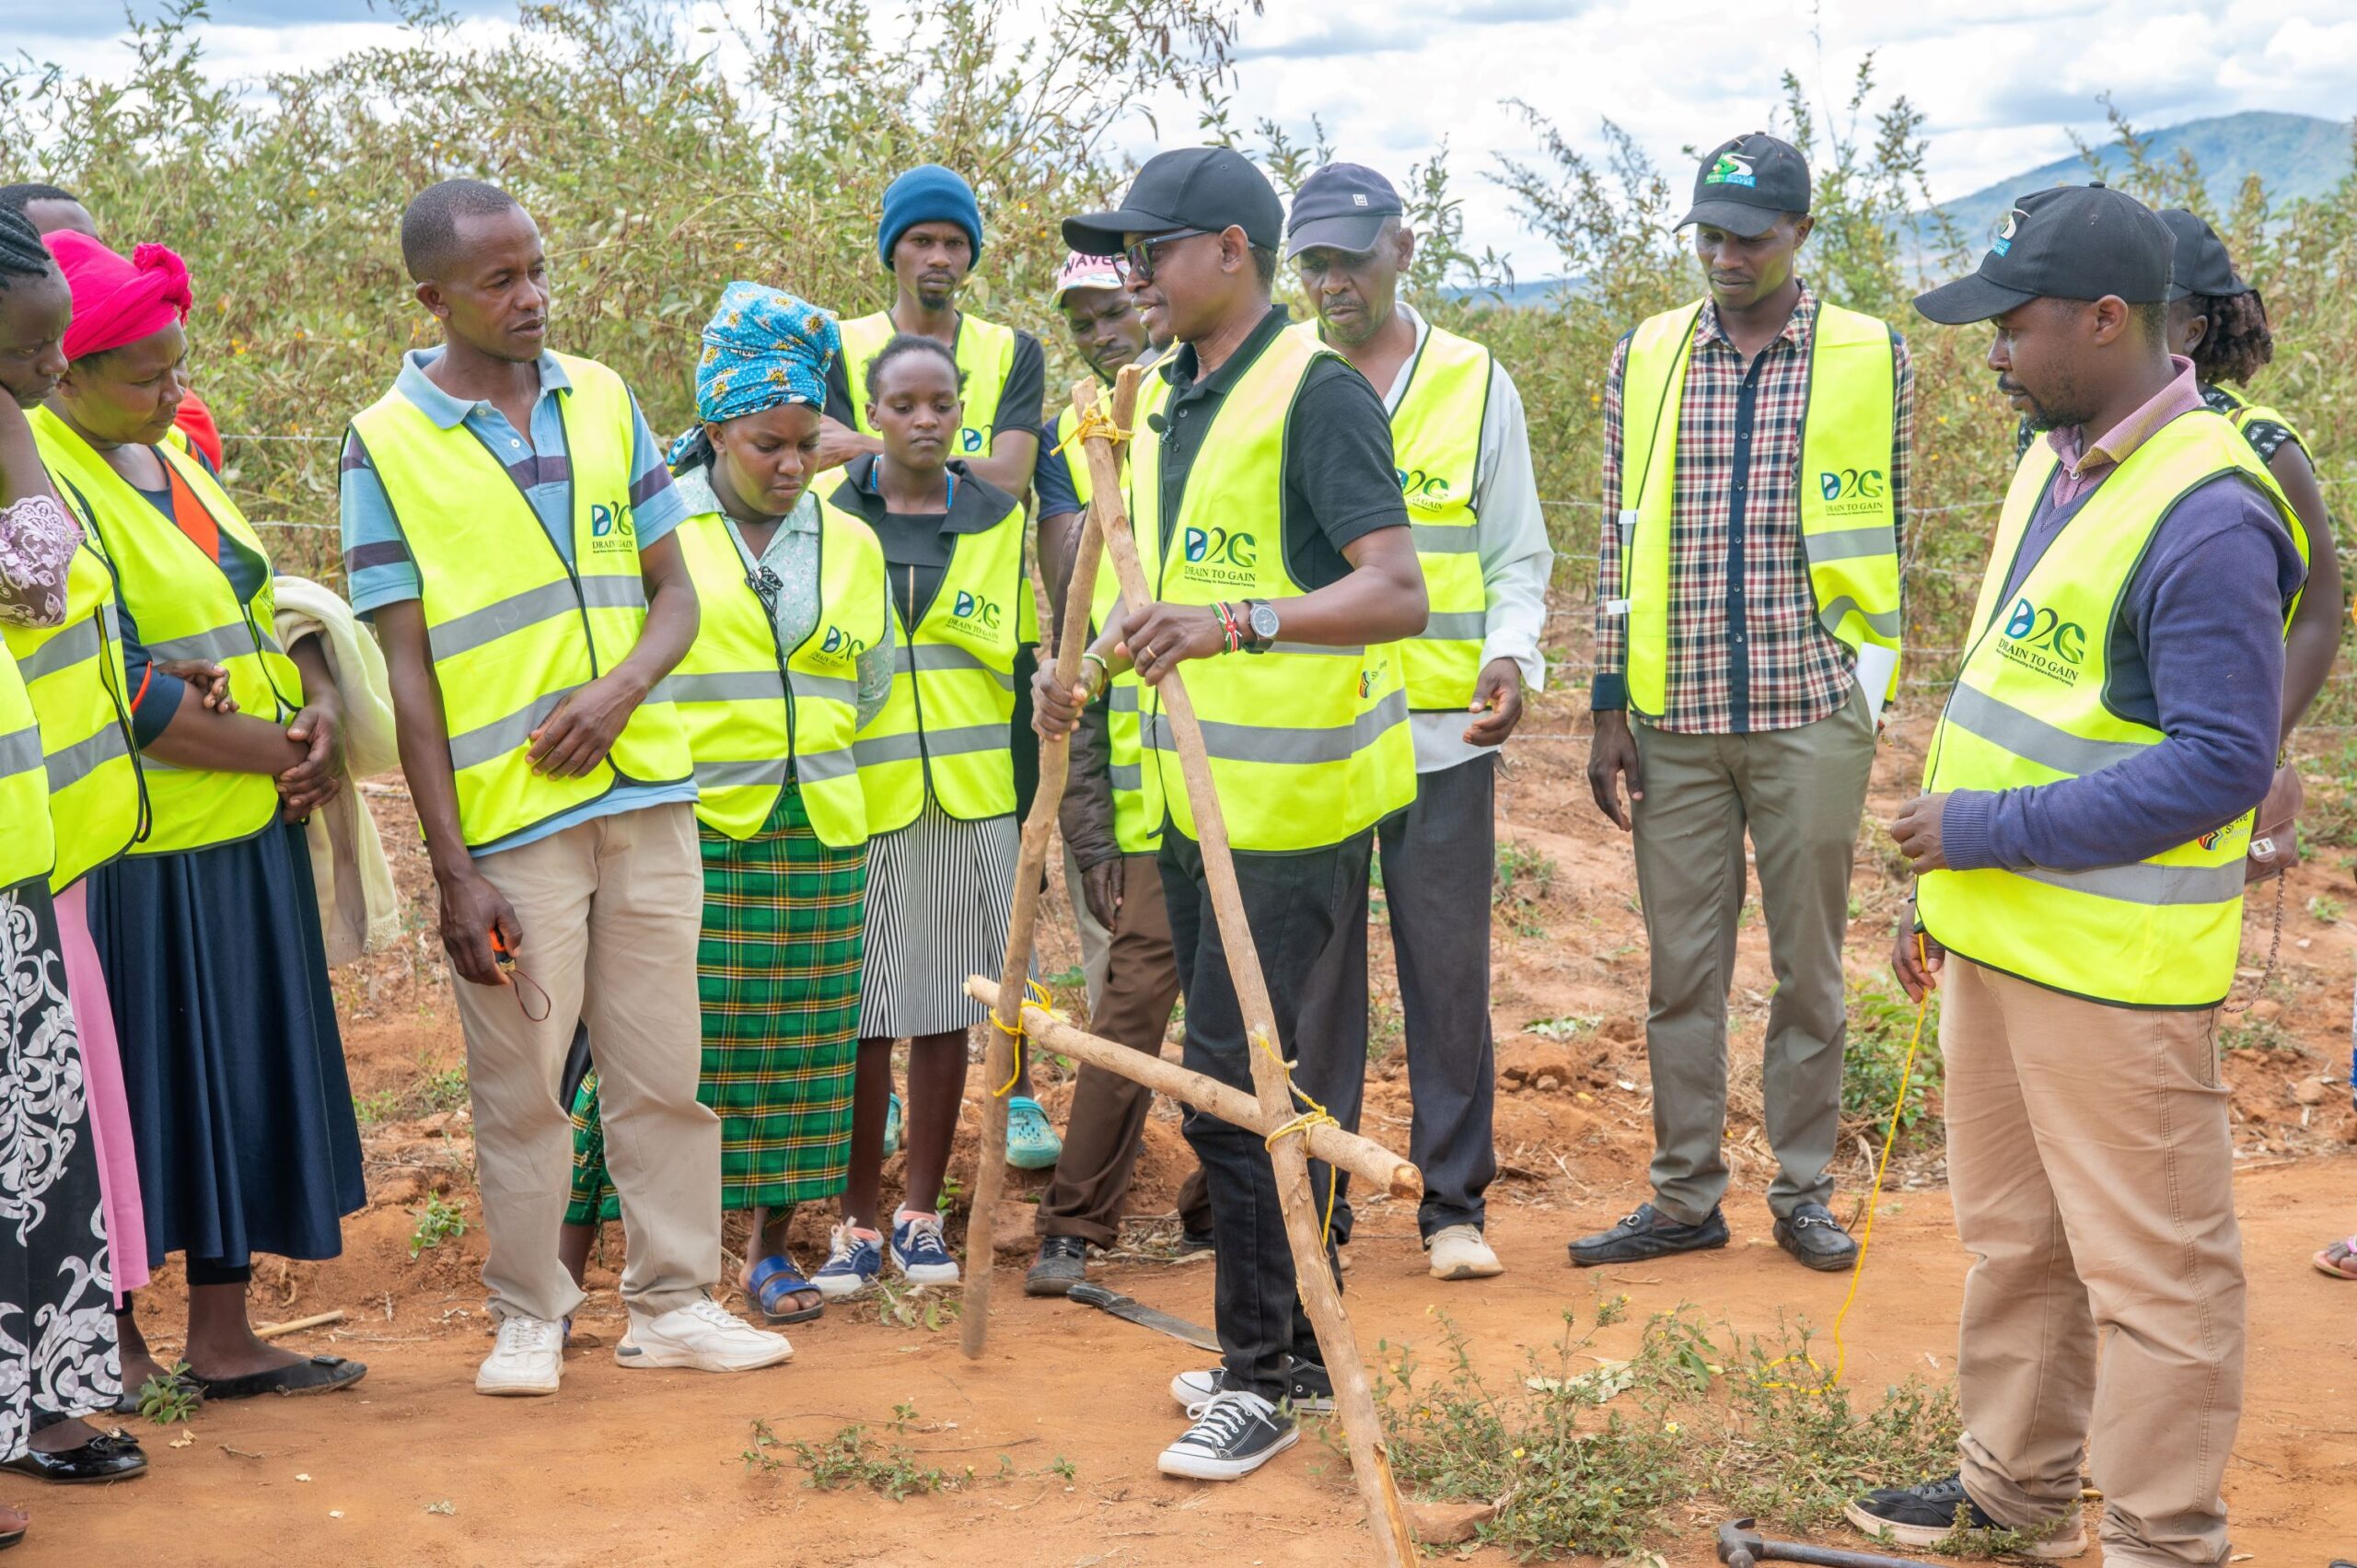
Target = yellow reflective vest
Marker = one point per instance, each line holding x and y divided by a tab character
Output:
28	849
1849	518
985	358
1308	746
759	715
2028	708
73	673
945	729
1137	794
185	608
514	628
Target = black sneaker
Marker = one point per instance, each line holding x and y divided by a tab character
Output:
1062	1264
1811	1234
1648	1233
1310	1387
1926	1515
1236	1433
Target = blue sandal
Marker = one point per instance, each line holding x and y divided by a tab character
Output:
776	1281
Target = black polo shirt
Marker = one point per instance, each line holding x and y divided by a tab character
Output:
1341	483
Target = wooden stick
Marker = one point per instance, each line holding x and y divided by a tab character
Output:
1321	1300
998	1061
316	1320
1363	1157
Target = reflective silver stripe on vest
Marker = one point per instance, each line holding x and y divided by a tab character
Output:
1297	748
937	657
463	633
1840	608
1456	626
1447	539
728	686
957	742
826	688
20	752
2149	884
488	743
220	644
1317	650
81	641
824	767
768	772
2031	737
888	748
1129	776
1849	544
84	758
1125	697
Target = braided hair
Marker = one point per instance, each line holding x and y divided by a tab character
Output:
2238	340
911	342
22	255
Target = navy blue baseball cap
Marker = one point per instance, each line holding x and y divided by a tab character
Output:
2200	264
1343	206
2068	242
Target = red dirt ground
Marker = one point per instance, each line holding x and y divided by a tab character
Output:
649	1468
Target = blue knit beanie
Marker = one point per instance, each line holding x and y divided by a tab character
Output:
928	193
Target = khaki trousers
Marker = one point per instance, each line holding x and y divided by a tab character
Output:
611	911
2092	1169
1799	792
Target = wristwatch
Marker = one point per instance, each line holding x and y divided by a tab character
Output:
1262	621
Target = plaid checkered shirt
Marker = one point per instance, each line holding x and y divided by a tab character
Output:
1746	651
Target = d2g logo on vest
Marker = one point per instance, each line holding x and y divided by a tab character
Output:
610	529
1849	492
837	643
1215	556
2042	641
1429	492
970	441
974	611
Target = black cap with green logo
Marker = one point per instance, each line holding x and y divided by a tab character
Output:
1745	183
2069	242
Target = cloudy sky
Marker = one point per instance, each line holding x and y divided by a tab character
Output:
2004	82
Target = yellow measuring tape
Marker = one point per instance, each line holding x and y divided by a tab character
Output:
1316	1116
1035	995
1866	1236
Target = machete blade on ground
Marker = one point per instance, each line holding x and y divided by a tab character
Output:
1145	1317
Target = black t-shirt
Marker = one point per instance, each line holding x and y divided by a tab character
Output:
1340	482
1018	403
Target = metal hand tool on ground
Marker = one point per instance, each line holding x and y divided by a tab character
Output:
1741	1546
1131	1309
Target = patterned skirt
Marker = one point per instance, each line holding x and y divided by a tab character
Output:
777	971
940	892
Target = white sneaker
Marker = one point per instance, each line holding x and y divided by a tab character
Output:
527	1358
703	1335
1460	1252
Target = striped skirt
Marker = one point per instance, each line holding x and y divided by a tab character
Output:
777	973
939	895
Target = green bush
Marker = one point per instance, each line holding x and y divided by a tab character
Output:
1882	1023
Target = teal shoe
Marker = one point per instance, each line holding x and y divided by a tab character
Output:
1031	1144
892	1127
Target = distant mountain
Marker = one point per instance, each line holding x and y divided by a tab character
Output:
2295	155
1523	292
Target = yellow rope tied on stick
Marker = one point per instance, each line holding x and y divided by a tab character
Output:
1035	995
1316	1116
1097	420
1866	1236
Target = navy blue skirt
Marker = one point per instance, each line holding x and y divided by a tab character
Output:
240	1108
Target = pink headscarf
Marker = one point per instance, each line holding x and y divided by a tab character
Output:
115	301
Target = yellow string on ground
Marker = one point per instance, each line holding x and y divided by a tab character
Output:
1035	995
1866	1236
1316	1116
1097	420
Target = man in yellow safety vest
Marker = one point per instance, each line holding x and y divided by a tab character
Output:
1270	527
2080	846
1748	622
1463	460
507	523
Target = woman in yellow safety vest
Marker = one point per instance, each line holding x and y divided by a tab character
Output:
208	931
58	1360
937	770
792	656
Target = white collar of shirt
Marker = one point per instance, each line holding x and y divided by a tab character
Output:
696	491
1407	366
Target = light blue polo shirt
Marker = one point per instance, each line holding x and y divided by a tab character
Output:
379	569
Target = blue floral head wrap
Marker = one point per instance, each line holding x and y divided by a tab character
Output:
762	347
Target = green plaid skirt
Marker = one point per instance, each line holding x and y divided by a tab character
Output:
777	973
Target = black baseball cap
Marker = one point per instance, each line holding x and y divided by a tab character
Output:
1745	184
1342	207
1204	188
2068	242
2200	264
